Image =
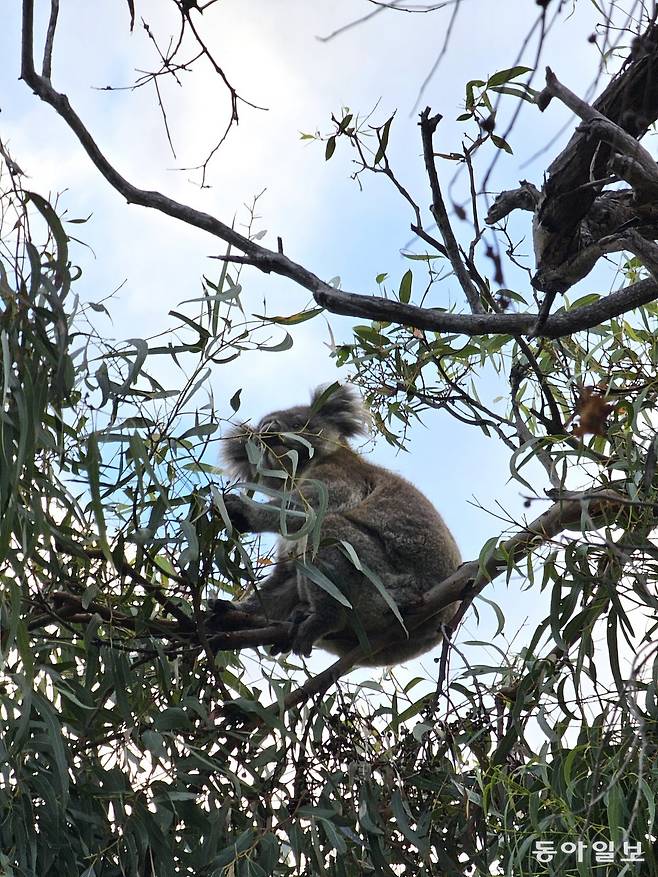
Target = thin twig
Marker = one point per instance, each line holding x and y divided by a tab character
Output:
525	436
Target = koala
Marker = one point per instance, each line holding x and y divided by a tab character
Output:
368	517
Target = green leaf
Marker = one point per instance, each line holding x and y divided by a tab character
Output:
404	292
345	123
234	401
413	710
203	333
375	579
93	471
141	348
55	743
500	143
422	257
470	91
320	579
322	398
487	552
383	134
286	344
55	225
506	75
584	300
200	430
294	319
500	618
402	819
154	742
522	91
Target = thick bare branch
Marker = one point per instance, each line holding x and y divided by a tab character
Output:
473	577
377	308
577	175
526	197
580	265
252	637
74	608
599	127
635	175
646	251
554	280
318	685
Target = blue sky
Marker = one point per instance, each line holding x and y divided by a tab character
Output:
270	52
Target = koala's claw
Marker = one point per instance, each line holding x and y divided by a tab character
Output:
302	648
306	635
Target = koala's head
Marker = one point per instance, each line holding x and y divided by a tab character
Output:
293	438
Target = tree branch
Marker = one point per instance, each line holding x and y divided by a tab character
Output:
603	129
629	102
569	272
74	608
427	128
377	308
325	295
46	67
320	684
646	251
526	197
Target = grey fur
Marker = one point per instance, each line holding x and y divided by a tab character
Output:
394	530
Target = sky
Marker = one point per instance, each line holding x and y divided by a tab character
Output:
270	51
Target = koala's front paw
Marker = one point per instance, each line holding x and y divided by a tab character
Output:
218	607
217	611
307	634
296	618
238	512
224	616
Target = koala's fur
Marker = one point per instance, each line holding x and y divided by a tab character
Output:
394	530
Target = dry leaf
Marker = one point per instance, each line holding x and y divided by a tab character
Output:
592	411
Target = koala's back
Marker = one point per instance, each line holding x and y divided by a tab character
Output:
399	535
401	522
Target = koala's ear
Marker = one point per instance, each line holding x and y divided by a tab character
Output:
341	407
